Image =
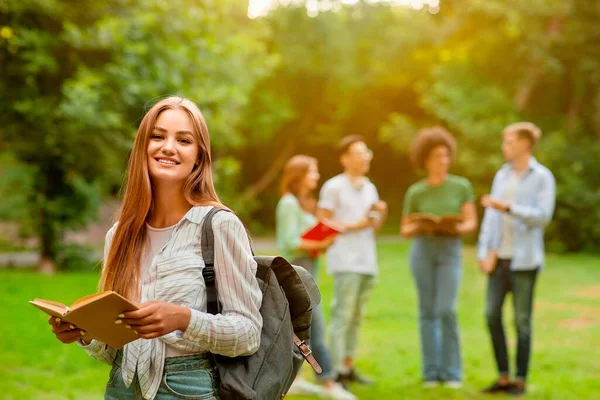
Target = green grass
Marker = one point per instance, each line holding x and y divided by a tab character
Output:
566	347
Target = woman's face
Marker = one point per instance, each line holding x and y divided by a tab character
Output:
311	179
172	148
438	160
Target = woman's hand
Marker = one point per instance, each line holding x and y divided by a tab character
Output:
425	228
156	318
64	331
409	229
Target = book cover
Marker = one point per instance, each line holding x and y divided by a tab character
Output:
436	219
96	314
324	229
445	224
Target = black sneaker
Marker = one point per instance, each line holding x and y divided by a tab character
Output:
496	387
342	382
354	377
516	390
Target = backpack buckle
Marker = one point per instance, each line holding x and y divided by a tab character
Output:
307	354
304	349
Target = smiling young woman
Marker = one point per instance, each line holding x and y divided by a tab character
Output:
152	256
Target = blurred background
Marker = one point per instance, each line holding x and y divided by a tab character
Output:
278	78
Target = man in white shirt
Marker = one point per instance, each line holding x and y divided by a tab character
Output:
350	199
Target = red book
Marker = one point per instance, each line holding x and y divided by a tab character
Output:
324	229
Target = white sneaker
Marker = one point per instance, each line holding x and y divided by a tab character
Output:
337	392
430	384
453	384
302	386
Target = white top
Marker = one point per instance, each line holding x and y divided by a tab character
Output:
156	240
353	251
175	276
510	196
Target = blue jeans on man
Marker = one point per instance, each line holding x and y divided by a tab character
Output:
521	283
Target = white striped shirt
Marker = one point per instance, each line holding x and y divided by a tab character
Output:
175	276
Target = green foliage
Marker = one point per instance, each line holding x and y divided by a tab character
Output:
16	186
576	167
78	77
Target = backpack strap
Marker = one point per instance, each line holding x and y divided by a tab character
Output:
207	243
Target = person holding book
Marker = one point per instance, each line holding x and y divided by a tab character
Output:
153	258
295	215
511	246
438	210
352	202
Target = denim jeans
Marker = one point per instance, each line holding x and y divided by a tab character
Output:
317	326
188	377
436	266
522	284
351	292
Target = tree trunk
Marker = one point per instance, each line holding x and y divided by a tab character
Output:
48	239
284	154
268	177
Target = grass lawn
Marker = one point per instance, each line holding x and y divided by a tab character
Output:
566	347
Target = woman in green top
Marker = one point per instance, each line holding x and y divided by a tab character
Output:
295	215
436	252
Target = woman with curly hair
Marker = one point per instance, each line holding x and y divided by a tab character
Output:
436	254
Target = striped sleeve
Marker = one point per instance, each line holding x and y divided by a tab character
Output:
236	330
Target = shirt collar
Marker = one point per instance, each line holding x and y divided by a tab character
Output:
196	214
359	183
533	164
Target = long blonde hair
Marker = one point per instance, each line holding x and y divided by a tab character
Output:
121	268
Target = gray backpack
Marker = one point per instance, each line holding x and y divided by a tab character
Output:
289	295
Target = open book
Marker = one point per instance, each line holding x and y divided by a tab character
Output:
324	229
96	314
441	223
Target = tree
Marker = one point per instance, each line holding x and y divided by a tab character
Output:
77	78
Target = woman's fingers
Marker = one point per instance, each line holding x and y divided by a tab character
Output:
149	331
70	336
137	321
63	327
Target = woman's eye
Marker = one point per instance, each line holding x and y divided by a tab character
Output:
156	136
185	141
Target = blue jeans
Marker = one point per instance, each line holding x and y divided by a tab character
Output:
351	292
188	377
436	266
317	326
521	284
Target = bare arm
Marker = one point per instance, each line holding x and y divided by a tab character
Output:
469	214
323	213
382	208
